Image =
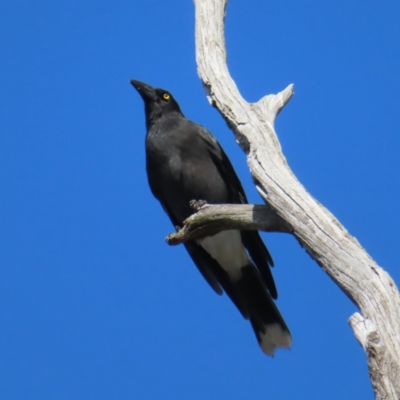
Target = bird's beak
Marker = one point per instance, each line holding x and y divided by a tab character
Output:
146	91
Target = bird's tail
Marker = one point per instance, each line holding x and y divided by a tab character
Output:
270	328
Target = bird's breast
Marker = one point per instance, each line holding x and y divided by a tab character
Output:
180	169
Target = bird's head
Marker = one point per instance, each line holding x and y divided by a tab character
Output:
158	102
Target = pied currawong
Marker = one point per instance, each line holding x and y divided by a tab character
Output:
185	162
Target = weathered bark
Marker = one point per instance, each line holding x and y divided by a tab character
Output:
211	219
377	326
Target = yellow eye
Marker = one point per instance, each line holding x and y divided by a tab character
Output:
166	96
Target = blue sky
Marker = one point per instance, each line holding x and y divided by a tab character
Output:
93	303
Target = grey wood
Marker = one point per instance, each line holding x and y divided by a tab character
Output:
211	219
377	326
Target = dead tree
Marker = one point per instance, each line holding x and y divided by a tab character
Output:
290	208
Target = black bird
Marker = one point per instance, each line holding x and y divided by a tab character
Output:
185	162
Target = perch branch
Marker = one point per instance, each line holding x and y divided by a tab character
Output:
377	326
211	219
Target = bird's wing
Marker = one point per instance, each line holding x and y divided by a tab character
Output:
224	166
251	239
212	272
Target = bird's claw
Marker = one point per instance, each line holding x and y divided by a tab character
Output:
197	204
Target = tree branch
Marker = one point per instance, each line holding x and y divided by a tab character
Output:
325	239
211	219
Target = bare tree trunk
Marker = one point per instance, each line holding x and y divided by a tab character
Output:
377	326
